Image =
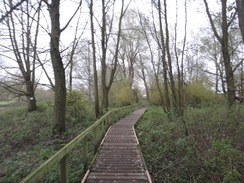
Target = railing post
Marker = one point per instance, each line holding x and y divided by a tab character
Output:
64	169
96	135
85	154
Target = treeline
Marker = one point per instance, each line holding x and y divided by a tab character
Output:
117	53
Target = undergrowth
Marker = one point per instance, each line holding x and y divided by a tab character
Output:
212	152
26	141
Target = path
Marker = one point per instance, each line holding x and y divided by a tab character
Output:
119	159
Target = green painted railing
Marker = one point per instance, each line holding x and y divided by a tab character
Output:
100	126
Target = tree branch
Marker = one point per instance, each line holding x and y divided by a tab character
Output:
212	23
11	10
237	65
67	24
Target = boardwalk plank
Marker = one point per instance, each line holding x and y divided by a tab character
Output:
119	158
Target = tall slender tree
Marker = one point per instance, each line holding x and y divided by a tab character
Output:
104	42
165	67
180	62
223	39
169	59
96	96
155	66
143	75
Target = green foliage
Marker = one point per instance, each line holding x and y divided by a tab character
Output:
198	95
223	157
121	94
154	96
78	109
46	153
211	153
2	103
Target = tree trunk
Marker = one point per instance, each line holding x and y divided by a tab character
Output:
131	70
216	79
71	75
221	72
167	101
58	68
106	87
172	82
105	101
223	40
30	95
146	88
143	77
103	61
242	81
89	72
240	9
226	57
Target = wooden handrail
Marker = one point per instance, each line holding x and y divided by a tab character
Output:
61	155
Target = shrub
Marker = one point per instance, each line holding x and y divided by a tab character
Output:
198	95
121	94
78	109
155	96
213	151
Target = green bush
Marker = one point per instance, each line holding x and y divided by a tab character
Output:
223	158
198	95
121	94
78	109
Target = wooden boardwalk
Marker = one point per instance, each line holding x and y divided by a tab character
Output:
119	159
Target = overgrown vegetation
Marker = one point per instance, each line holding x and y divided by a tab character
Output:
26	140
212	152
121	94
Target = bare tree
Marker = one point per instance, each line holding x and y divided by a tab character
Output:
143	75
167	46
132	44
104	42
180	62
71	55
224	42
96	96
155	65
57	63
163	49
23	29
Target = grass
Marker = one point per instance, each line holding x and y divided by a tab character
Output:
212	152
26	141
4	102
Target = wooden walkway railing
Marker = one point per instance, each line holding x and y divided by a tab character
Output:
119	157
98	128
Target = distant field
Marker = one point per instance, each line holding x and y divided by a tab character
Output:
4	105
5	102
